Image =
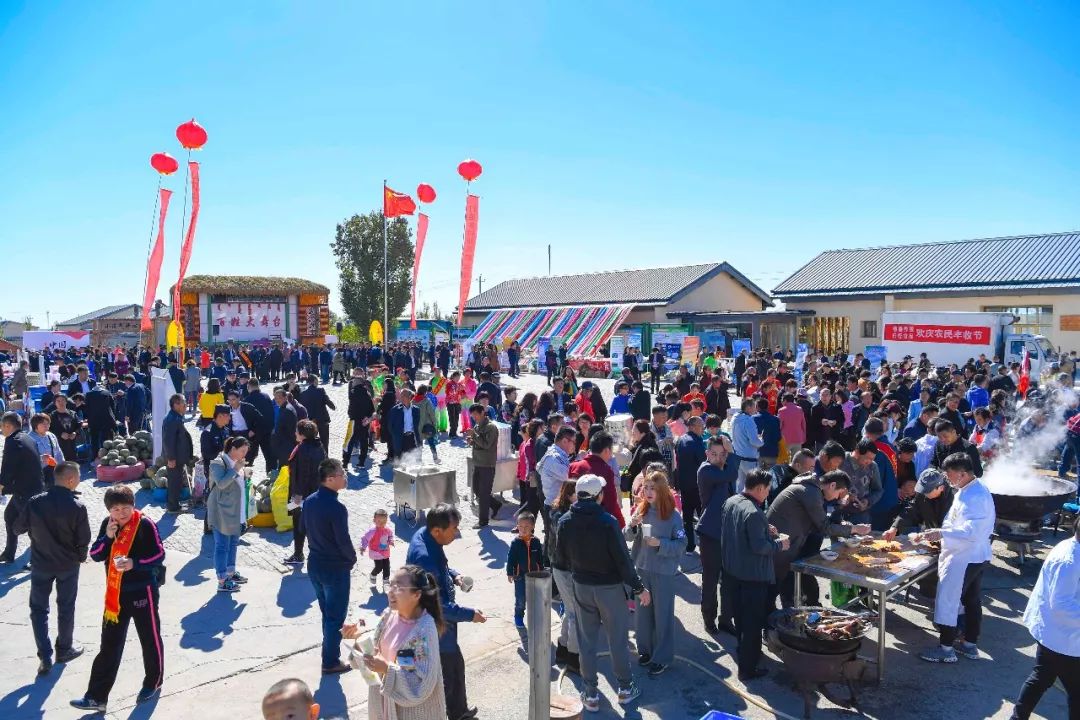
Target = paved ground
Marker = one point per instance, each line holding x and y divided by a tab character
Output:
223	651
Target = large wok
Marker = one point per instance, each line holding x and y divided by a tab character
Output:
1029	508
792	633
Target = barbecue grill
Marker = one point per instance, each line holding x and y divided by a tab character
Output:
816	662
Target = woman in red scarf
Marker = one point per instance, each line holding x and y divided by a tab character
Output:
129	545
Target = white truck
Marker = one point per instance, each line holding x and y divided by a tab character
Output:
956	337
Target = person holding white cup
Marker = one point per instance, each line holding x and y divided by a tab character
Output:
403	653
657	539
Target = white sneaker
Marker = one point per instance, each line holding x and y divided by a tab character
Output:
591	702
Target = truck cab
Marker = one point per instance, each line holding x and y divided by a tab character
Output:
1041	353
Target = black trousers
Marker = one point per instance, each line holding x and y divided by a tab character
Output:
710	581
359	438
177	480
67	588
483	480
408	443
748	599
691	507
382	566
454	411
11	511
142	607
530	499
98	435
1049	666
324	436
261	442
298	533
453	668
654	380
810	589
971	602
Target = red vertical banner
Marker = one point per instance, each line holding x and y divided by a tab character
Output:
421	234
153	267
189	240
468	251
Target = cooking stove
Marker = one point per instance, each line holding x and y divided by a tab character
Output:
1018	535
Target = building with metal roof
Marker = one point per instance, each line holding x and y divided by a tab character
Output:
86	321
585	310
1035	277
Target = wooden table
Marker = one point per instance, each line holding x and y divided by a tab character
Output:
884	582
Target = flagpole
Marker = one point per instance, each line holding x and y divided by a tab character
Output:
386	275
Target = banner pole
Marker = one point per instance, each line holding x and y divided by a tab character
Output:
386	272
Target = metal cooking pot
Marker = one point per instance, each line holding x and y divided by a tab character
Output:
791	633
1035	507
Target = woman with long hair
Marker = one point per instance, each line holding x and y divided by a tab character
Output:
566	651
224	512
570	383
404	652
657	539
545	405
643	450
584	422
527	476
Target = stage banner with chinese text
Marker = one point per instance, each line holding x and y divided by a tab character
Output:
248	320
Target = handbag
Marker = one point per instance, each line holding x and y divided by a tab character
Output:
533	478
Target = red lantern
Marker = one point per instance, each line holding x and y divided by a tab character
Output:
425	192
164	163
470	170
191	135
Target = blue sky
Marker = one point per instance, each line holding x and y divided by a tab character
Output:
625	134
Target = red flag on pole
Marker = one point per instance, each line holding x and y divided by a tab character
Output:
396	203
421	234
189	240
153	267
468	251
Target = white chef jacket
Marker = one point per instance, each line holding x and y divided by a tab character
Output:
1053	610
965	539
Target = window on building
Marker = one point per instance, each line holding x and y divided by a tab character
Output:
1034	319
869	329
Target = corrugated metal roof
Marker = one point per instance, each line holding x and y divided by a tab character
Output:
1020	261
653	285
102	312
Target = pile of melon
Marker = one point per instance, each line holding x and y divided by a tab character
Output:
127	451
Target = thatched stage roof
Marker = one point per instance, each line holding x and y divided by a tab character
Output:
251	285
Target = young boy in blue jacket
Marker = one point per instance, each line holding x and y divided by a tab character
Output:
525	556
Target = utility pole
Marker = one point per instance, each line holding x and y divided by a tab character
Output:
549	259
480	283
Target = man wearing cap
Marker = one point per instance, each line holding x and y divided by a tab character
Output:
590	543
927	511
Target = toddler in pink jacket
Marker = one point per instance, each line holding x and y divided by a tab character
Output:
377	542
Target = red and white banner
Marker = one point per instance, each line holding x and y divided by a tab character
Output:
421	235
468	251
954	334
153	267
248	320
55	339
189	239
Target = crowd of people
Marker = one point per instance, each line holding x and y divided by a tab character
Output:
751	469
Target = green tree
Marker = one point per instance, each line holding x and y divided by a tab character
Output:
358	254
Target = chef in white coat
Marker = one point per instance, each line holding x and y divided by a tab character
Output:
965	550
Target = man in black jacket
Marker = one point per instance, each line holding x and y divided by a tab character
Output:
689	455
640	402
589	542
139	569
318	405
283	439
949	442
177	449
716	483
20	477
717	401
265	407
361	410
100	415
59	538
